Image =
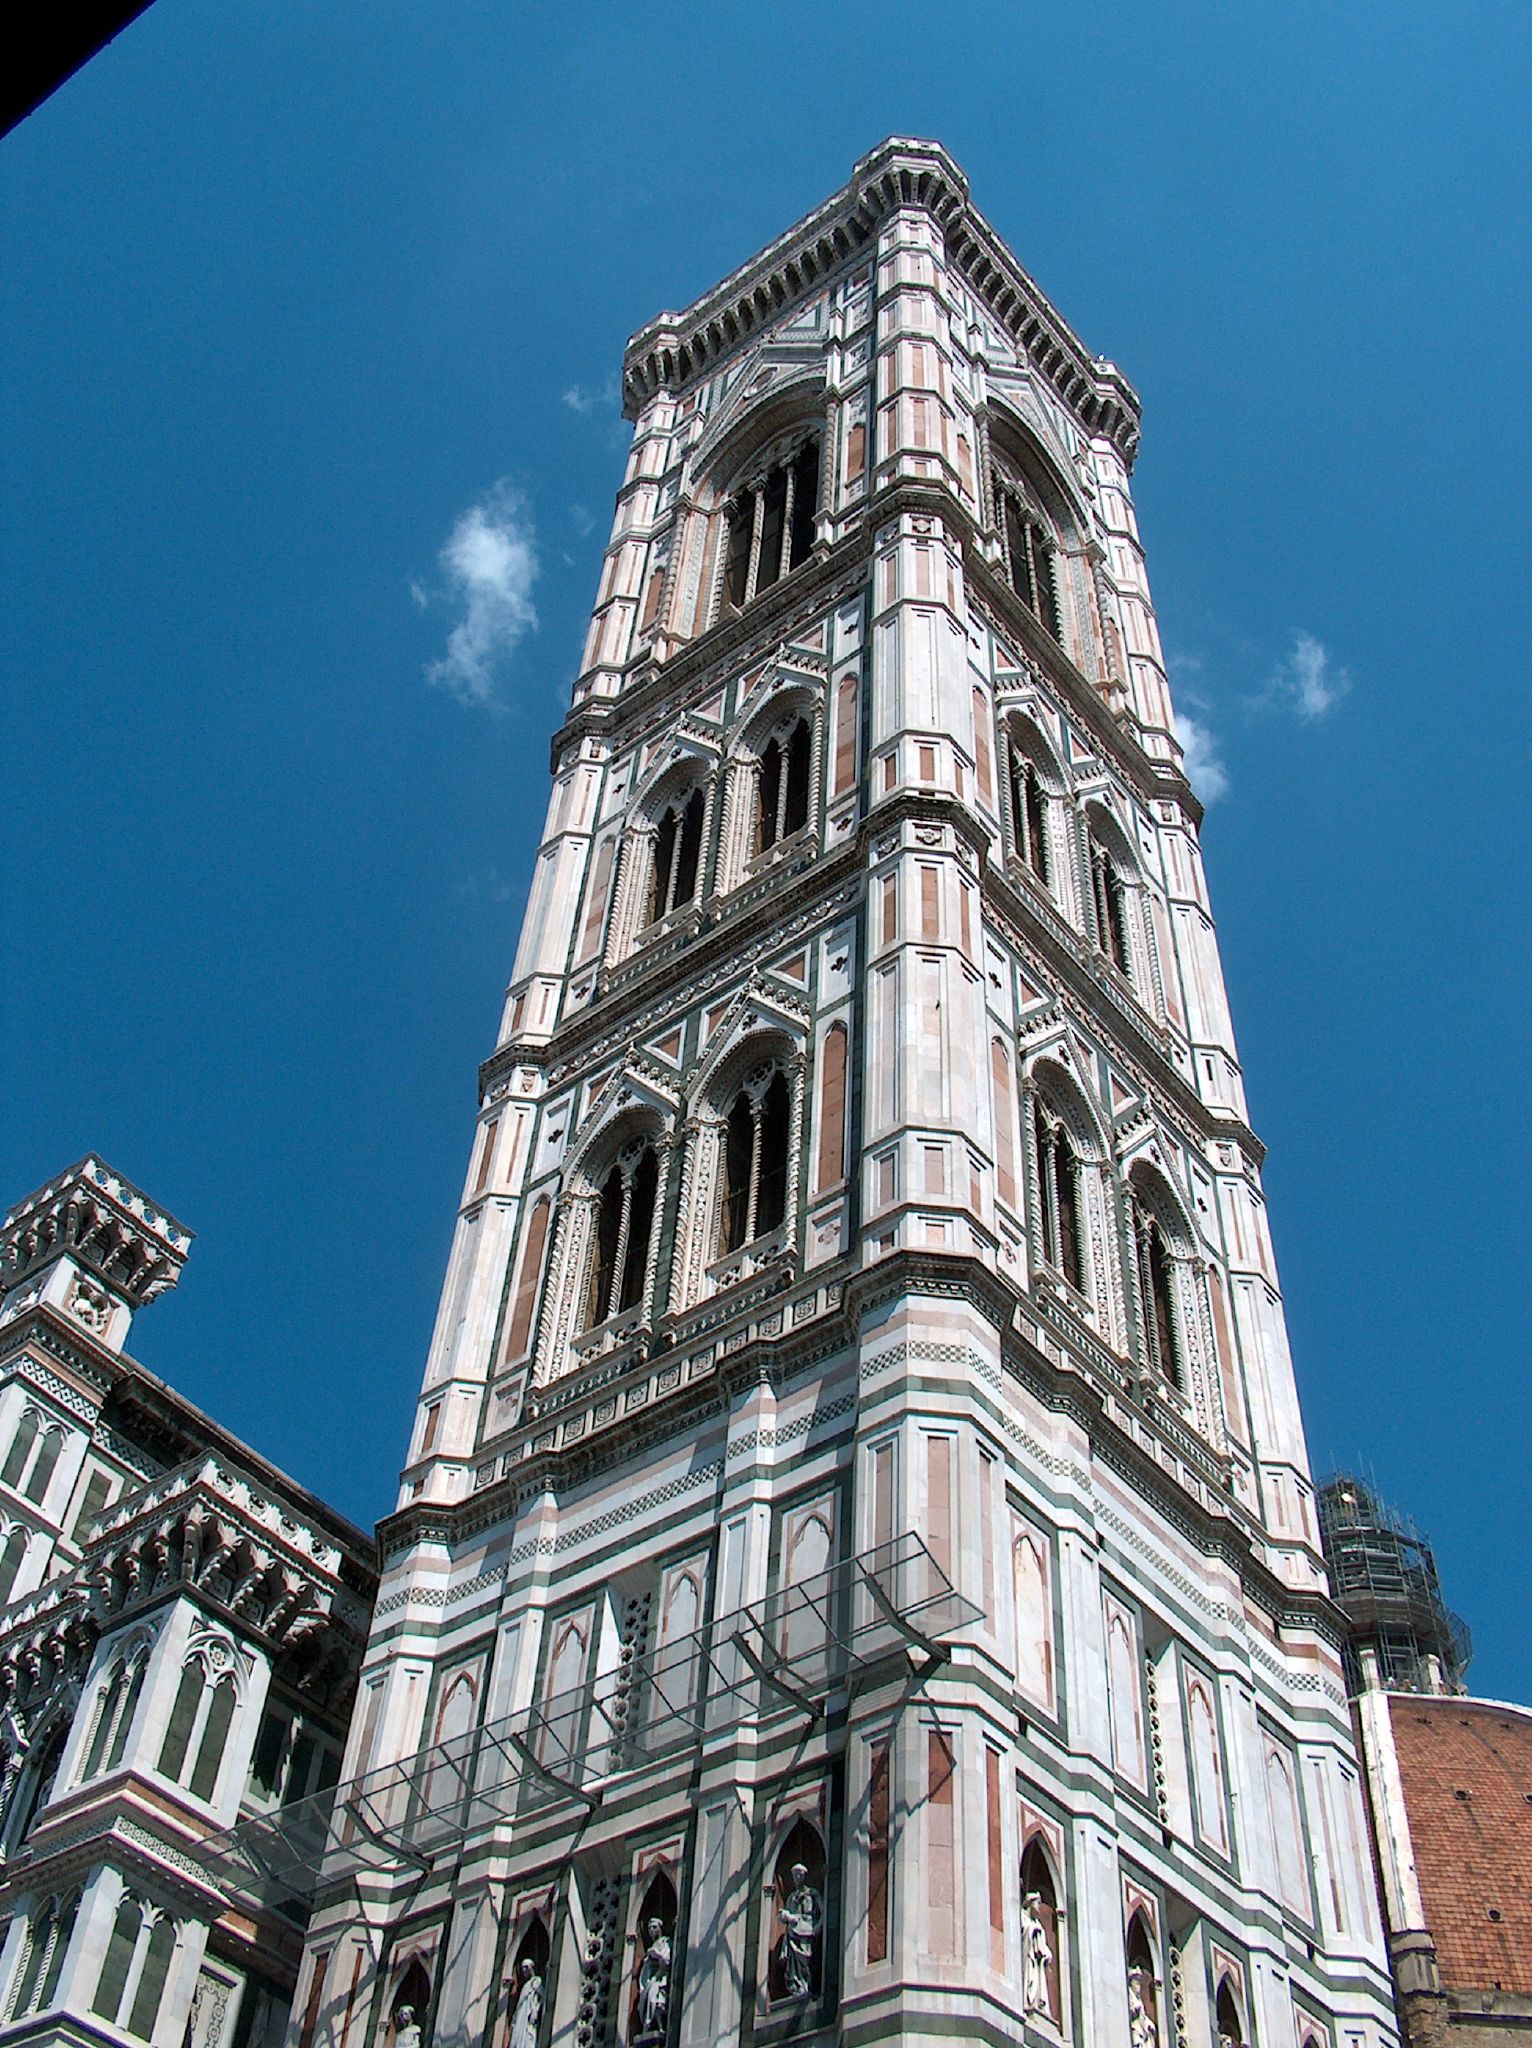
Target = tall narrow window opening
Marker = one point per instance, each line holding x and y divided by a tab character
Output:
1156	1293
783	787
1029	815
1029	558
624	1224
756	1136
677	855
1110	897
1058	1177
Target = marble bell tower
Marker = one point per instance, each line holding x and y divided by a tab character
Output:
856	1575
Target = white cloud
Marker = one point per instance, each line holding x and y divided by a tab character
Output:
490	562
1199	747
1308	679
579	400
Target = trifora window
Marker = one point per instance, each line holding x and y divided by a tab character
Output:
677	855
755	1159
1058	1180
624	1224
771	526
782	792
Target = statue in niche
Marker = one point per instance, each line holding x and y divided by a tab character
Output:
653	2011
406	2029
1142	2032
803	1919
1036	1957
528	2013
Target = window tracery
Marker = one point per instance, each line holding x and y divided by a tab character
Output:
782	786
624	1224
677	855
757	1132
1061	1225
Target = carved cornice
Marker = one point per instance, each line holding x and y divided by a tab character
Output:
108	1226
675	349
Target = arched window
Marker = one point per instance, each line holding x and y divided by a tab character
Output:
42	1962
34	1789
21	1448
1109	900
215	1735
677	855
782	791
116	1706
795	1962
1231	2028
1029	815
1143	1990
1029	548
12	1552
410	2005
1059	1190
1040	1969
624	1225
756	1137
43	1464
155	1968
771	526
201	1716
121	1947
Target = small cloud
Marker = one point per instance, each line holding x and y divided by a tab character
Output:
582	520
417	591
580	400
490	563
1308	679
488	885
1199	748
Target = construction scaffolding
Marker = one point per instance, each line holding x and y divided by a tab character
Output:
790	1654
1402	1636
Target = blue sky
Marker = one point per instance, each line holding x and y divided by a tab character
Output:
293	290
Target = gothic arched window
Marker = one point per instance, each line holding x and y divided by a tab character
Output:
677	855
782	792
1231	2028
201	1716
771	526
1059	1191
624	1225
42	1965
756	1137
795	1961
1143	1990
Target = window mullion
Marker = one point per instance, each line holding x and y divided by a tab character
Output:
620	1251
785	551
753	1188
757	517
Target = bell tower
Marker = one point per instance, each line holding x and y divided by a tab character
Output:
856	1571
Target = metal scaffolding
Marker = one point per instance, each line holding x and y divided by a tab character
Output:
1383	1575
787	1655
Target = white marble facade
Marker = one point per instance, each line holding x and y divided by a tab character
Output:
863	1160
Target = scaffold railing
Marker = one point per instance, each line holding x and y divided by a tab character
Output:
788	1654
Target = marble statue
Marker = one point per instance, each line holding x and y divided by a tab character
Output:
1036	1956
1142	2032
529	2006
654	1982
803	1919
406	2031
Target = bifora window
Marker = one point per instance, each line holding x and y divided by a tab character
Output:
755	1159
677	855
1058	1177
624	1223
771	526
782	792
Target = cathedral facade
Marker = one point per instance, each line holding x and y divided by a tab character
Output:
856	1573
